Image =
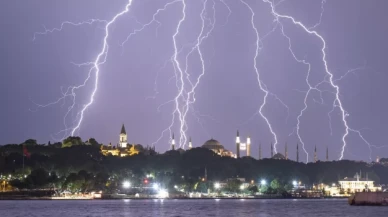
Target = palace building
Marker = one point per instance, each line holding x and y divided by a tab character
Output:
122	149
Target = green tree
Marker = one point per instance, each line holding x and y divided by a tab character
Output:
72	141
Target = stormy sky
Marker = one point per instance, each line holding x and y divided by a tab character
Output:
138	77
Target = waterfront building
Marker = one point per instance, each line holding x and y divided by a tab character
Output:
358	184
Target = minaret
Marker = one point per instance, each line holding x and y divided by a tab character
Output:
286	151
260	151
123	137
238	145
248	146
190	144
172	142
297	152
271	150
327	153
315	154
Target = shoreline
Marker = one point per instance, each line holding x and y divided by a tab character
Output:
180	198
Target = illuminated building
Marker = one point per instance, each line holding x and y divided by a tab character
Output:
123	138
122	149
358	184
217	148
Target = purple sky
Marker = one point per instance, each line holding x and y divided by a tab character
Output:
33	71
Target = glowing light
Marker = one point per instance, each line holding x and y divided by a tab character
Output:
126	184
243	146
162	194
242	187
156	186
295	183
217	185
263	182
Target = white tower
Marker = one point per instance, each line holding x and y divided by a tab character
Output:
190	144
248	146
123	137
172	142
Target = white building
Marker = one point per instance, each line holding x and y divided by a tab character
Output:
358	184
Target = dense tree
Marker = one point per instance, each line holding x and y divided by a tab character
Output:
80	167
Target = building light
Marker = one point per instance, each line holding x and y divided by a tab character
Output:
126	184
162	194
217	185
243	146
156	186
237	139
294	183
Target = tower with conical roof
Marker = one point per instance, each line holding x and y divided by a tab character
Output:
315	154
190	144
123	137
271	150
297	152
172	142
238	145
248	146
285	151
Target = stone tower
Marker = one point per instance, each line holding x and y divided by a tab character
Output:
123	137
286	151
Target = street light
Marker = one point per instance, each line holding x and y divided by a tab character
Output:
242	187
126	184
263	182
156	186
294	183
217	185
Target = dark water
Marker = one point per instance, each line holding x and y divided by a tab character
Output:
197	208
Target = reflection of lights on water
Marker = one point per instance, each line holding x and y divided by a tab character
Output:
217	199
126	200
242	199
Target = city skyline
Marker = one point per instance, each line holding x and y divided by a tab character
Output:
237	41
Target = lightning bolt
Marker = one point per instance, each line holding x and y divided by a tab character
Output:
95	69
337	103
261	83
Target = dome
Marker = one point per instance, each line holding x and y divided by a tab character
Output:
278	156
213	144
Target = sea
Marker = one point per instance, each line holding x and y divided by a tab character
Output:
187	207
